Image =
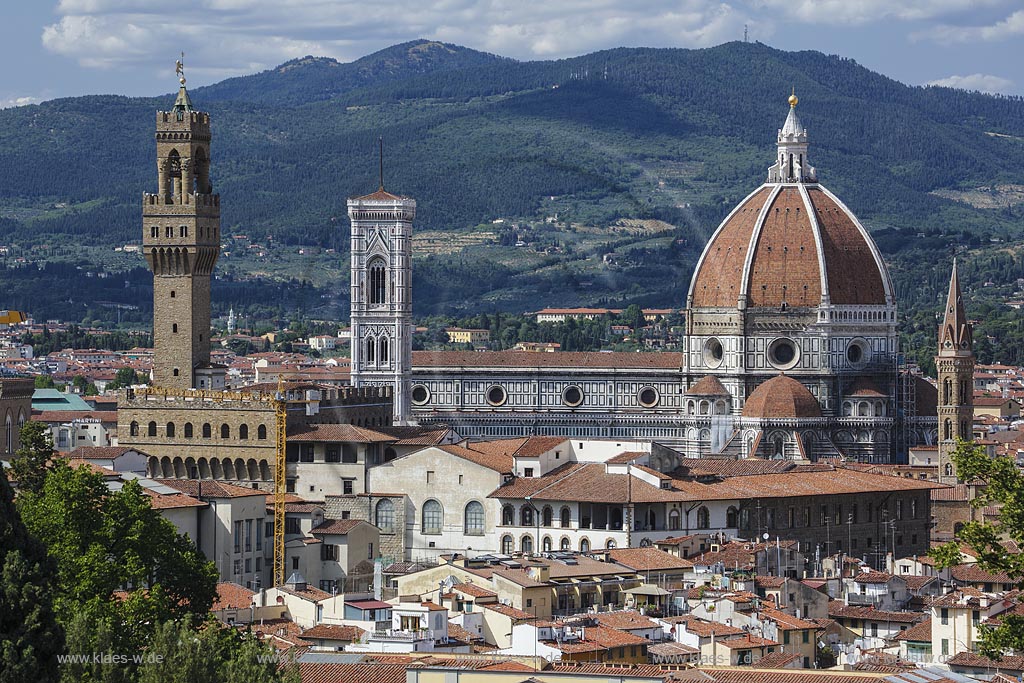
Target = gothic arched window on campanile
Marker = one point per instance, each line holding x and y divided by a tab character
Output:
384	350
371	346
378	284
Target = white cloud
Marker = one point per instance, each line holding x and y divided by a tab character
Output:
1012	25
980	82
841	12
17	102
239	36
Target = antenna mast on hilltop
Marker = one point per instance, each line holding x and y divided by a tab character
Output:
745	33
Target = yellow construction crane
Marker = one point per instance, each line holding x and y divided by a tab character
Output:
279	402
12	317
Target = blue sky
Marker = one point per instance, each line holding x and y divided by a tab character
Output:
76	47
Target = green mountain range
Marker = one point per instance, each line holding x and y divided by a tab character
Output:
609	171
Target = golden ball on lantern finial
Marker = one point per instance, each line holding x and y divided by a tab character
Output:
793	99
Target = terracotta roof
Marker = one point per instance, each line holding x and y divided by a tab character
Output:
335	672
956	493
381	195
648	559
838	609
865	387
336	526
777	660
569	360
788	622
784	266
746	641
100	452
707	386
509	611
458	633
972	659
729	467
309	593
165	501
338	432
625	620
474	590
612	637
232	596
499	462
333	632
873	577
209	488
781	397
921	632
536	446
416	436
972	573
704	628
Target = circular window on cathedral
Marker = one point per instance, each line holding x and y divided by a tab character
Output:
497	395
713	353
857	353
420	395
783	353
572	396
648	397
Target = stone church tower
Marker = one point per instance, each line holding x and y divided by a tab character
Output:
381	297
955	369
181	242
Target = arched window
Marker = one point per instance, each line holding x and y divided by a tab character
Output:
584	546
526	544
703	518
384	349
506	545
731	517
170	429
947	391
508	515
547	515
564	544
371	346
207	430
225	431
243	431
385	515
673	519
566	517
174	328
474	518
378	284
609	544
188	430
133	428
526	515
616	518
152	429
947	429
9	433
546	544
261	432
949	469
433	517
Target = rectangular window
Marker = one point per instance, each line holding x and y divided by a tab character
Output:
328	552
823	517
291	525
248	535
259	537
248	565
806	636
853	514
349	455
944	616
238	566
269	529
975	618
785	637
528	472
333	453
259	563
838	516
791	517
899	509
295	564
945	646
346	487
369	551
346	514
238	536
430	476
306	452
290	486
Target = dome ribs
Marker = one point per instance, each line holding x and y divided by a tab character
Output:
785	268
854	277
718	279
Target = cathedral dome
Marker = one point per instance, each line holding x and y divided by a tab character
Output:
781	397
790	243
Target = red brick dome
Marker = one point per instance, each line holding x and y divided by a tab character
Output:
781	397
792	244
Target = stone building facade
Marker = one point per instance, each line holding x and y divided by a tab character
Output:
955	368
791	284
385	511
15	411
381	294
181	243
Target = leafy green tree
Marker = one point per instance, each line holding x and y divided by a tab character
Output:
182	653
104	540
30	637
1003	487
31	460
88	636
79	383
44	382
